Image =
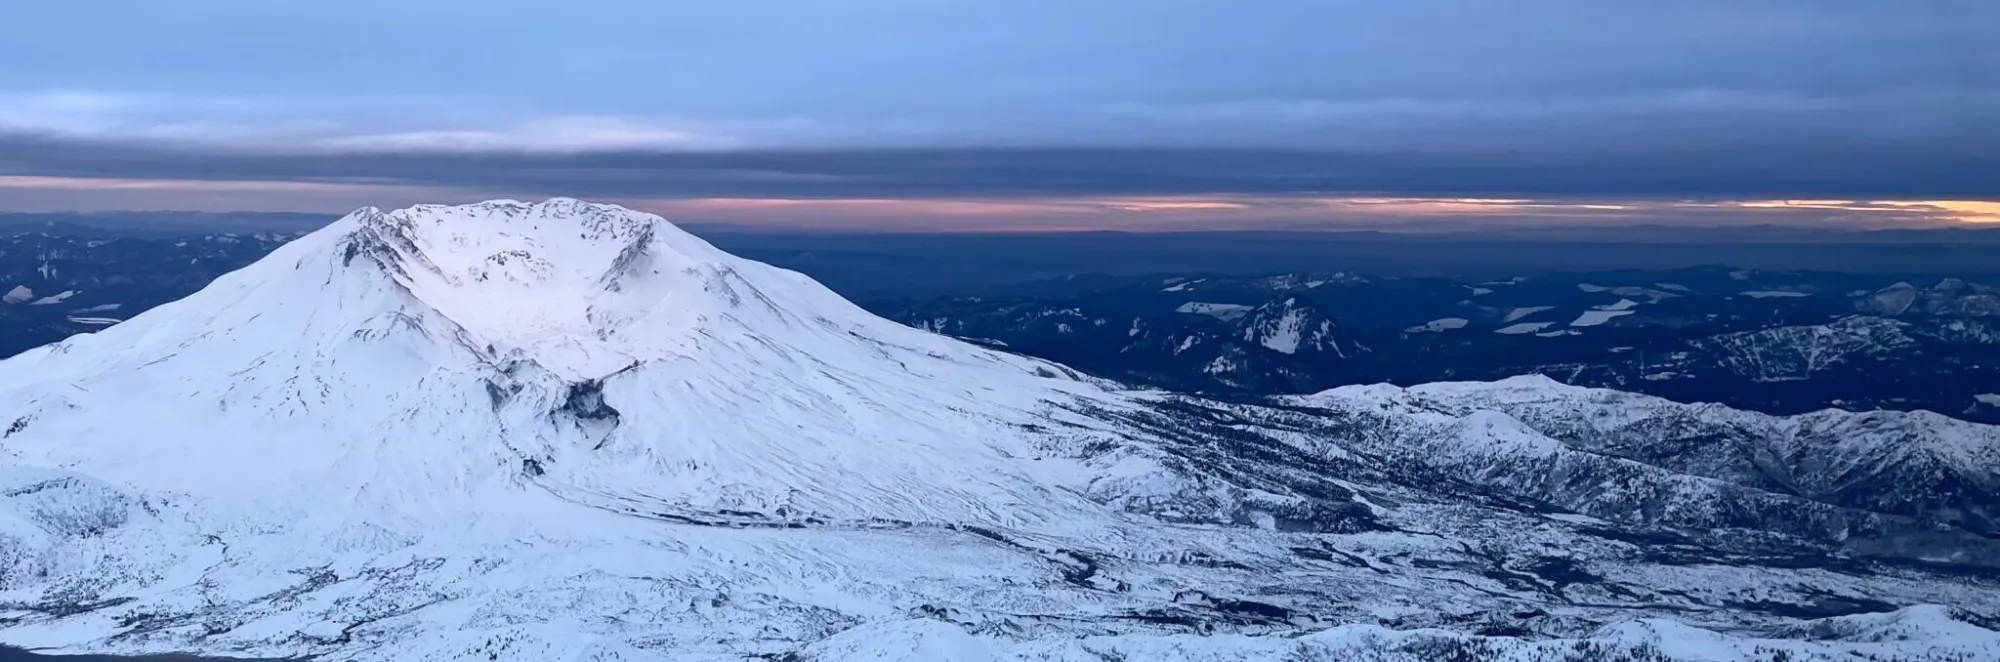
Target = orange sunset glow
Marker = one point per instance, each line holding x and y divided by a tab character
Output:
1043	214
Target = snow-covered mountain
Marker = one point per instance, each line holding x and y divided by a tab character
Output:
566	431
1293	325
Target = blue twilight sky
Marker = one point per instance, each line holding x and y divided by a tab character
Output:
814	107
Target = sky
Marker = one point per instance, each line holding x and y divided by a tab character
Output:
1026	114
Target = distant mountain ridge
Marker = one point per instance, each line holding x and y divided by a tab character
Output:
159	224
53	287
1769	341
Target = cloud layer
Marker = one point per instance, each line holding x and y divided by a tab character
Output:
914	99
1778	170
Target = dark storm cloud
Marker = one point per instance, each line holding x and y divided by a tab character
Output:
1848	171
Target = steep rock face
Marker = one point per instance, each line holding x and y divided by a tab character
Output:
572	431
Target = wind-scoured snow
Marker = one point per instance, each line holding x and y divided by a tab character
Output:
1225	311
1524	328
53	299
1283	335
566	431
1949	296
1629	291
1291	324
1442	324
1793	353
1596	317
1892	300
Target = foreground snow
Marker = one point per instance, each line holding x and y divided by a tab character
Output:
565	431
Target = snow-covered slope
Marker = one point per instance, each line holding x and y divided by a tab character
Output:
453	353
1911	484
1292	325
565	431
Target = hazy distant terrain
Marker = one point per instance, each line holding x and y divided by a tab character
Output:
158	223
954	261
1773	341
927	264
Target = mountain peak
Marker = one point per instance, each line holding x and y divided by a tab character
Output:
561	282
1292	324
558	242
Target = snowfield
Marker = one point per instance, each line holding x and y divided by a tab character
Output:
1216	310
1597	317
1524	328
568	431
1439	325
